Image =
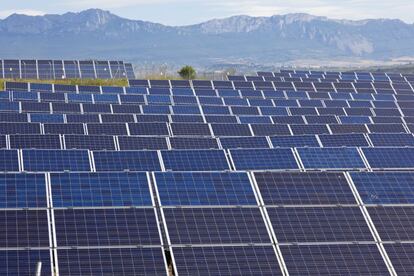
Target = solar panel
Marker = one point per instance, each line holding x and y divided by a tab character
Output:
402	257
270	130
311	188
116	261
193	143
55	160
334	259
23	191
389	158
142	143
106	227
216	226
319	224
294	141
309	129
331	158
244	142
190	129
107	129
24	262
385	188
393	223
148	129
68	128
344	140
388	140
90	142
19	128
223	260
15	225
100	190
9	161
35	142
126	161
263	159
205	189
195	160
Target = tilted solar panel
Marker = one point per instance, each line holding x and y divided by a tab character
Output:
126	161
389	158
264	159
55	160
195	160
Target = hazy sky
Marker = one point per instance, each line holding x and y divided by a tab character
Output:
181	12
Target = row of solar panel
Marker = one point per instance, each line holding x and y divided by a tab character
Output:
141	86
203	226
65	69
347	158
282	84
299	260
197	129
109	142
335	74
180	94
61	99
220	119
197	189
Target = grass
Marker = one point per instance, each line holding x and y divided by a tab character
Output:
93	82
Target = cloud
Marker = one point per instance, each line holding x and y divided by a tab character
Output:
6	13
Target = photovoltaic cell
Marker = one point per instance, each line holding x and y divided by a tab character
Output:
264	159
294	141
343	140
223	260
244	142
339	259
298	188
331	158
35	142
193	143
385	188
111	261
392	140
90	142
106	227
9	161
319	224
142	143
205	189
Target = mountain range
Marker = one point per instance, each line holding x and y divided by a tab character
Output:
268	41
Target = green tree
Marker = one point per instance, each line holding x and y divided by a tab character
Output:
187	72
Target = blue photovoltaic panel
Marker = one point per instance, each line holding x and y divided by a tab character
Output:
89	142
402	257
3	142
106	227
270	130
331	158
216	226
126	161
187	129
24	228
294	141
9	161
231	130
107	129
19	128
195	160
392	140
385	188
244	142
224	260
55	160
264	159
390	158
100	190
393	223
334	259
343	140
23	191
178	189
148	129
35	142
64	128
142	143
319	224
24	262
111	261
310	188
193	143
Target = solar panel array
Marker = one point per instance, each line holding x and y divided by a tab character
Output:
65	69
287	173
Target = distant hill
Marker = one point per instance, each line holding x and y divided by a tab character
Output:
269	41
